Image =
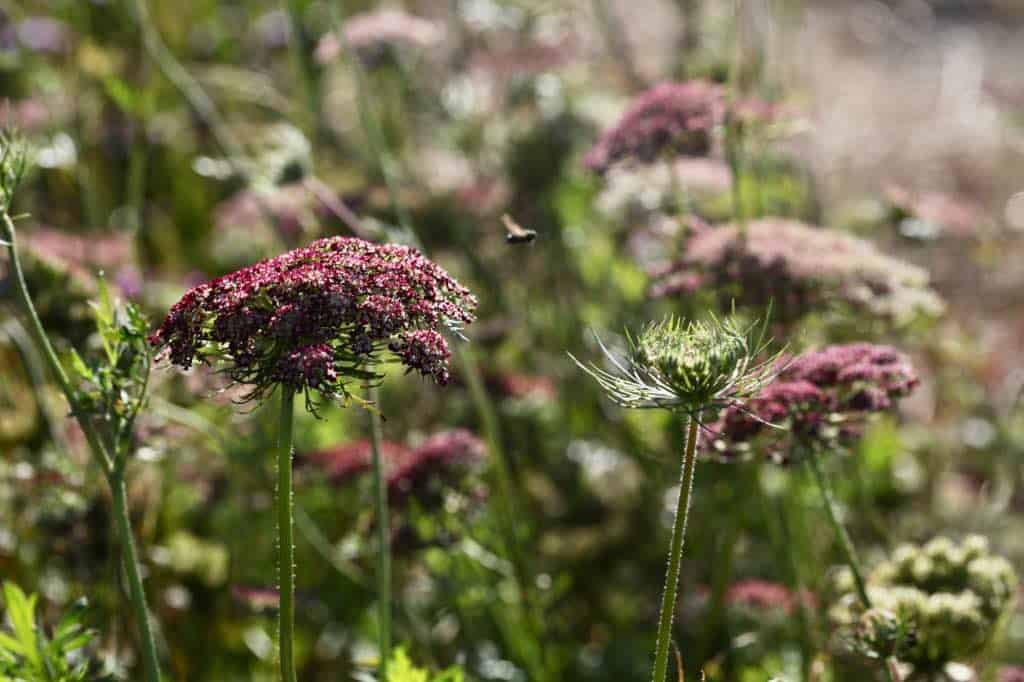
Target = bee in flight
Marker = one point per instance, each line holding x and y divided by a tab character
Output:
516	233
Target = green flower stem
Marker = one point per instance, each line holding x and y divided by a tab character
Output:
131	567
675	554
846	544
506	516
285	542
112	470
380	489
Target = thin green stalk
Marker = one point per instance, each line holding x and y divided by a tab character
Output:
131	565
302	56
675	554
845	543
383	540
371	127
506	515
112	469
788	547
285	542
43	342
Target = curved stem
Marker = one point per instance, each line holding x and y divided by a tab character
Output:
286	547
675	554
42	341
112	465
850	554
131	566
383	541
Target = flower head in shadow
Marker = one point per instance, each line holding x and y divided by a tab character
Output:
688	366
320	317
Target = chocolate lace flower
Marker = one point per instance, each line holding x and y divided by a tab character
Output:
670	119
820	396
799	268
316	318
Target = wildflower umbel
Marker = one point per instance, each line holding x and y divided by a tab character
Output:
800	268
947	598
822	396
688	366
315	318
670	119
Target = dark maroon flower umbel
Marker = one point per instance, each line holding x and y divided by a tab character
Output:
674	119
821	396
318	317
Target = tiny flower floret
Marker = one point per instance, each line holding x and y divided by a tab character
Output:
318	317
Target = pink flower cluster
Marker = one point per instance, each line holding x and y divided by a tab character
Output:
798	268
371	32
764	595
821	396
317	317
674	119
408	471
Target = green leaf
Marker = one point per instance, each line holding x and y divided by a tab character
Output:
21	612
401	669
9	644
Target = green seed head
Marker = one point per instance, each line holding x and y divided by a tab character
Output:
689	366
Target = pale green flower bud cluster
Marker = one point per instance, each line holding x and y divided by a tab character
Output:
689	366
931	604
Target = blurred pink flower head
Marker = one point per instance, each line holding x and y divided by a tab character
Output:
797	268
442	455
670	119
371	32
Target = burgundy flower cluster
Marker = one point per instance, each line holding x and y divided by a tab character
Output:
409	471
821	396
318	317
673	119
798	268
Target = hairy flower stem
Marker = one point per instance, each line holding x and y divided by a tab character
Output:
112	469
846	544
131	567
675	554
285	543
380	490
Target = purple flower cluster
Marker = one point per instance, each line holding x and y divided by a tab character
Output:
821	396
670	119
443	453
798	268
317	317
